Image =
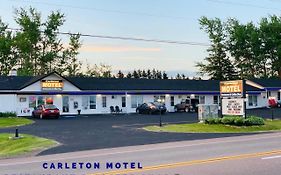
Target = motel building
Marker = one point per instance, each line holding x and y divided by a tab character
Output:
21	94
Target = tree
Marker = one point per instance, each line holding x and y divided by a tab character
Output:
135	74
244	44
158	74
271	43
217	65
100	71
39	49
149	74
165	76
153	74
144	74
120	74
8	56
129	75
178	77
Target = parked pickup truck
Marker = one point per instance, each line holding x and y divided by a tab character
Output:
187	105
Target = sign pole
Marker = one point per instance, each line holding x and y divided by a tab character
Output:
245	97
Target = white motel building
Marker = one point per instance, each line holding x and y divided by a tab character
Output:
21	94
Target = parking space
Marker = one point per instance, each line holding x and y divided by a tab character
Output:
105	131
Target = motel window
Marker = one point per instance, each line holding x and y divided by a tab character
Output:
268	94
123	102
253	100
202	99
172	101
22	99
85	102
104	101
93	102
32	101
136	100
160	98
40	100
216	99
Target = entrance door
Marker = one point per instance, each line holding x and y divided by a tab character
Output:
65	104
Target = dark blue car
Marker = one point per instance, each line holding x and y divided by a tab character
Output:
151	108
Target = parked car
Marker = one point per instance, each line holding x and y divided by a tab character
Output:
272	103
187	105
46	111
151	108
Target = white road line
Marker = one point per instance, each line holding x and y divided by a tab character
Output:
133	149
272	157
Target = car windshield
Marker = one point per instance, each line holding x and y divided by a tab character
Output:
50	107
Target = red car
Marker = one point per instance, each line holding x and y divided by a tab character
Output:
46	111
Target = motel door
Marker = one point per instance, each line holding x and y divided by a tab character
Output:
65	104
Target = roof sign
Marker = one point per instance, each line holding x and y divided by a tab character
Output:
52	85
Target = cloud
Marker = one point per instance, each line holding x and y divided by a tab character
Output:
114	48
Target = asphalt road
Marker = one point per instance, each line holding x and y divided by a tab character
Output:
258	154
108	131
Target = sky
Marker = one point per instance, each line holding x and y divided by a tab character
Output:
175	20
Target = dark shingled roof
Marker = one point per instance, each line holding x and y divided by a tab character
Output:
89	83
143	84
13	82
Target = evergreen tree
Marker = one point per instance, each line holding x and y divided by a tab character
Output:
144	74
120	74
135	74
218	65
149	76
165	76
129	75
178	77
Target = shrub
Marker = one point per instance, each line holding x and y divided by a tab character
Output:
253	120
218	120
239	121
228	120
212	121
8	114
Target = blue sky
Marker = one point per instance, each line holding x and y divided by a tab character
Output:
151	19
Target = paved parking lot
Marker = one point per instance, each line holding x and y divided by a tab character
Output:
105	131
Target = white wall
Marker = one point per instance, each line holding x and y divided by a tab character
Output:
12	103
8	103
37	85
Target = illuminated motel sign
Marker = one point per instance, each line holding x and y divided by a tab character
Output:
52	85
231	88
233	97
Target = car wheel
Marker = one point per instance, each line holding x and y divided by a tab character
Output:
32	115
137	111
57	117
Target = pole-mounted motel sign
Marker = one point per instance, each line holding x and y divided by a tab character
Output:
232	94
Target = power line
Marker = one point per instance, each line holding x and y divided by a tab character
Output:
242	4
130	38
107	11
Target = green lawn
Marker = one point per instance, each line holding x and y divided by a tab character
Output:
219	128
26	145
14	121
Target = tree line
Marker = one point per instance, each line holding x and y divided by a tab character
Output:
105	71
242	51
35	48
